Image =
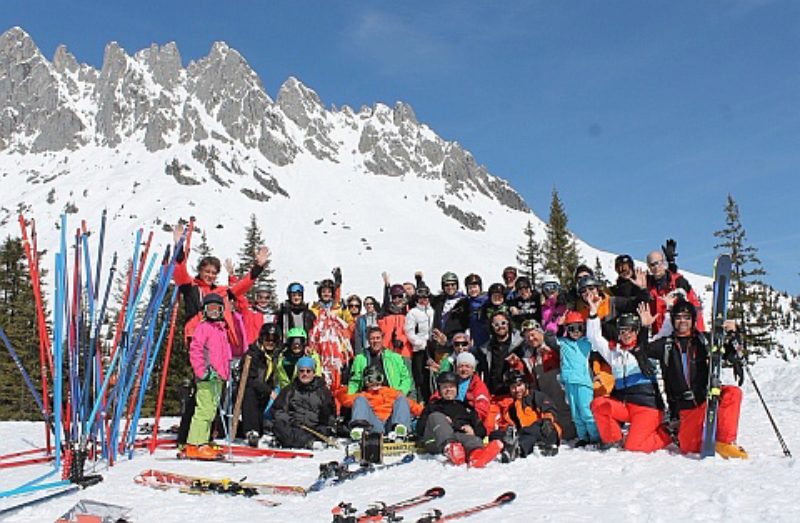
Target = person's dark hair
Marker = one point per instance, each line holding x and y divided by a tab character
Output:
374	329
209	260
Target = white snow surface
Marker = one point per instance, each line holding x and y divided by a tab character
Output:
576	485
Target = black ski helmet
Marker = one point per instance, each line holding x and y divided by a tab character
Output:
513	377
497	288
212	297
588	281
473	279
269	332
522	281
623	259
628	321
446	377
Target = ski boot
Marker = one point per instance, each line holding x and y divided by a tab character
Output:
455	453
730	450
479	458
253	438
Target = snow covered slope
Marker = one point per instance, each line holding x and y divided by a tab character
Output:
576	485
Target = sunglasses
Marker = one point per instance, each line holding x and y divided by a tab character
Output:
501	323
655	263
423	294
354	305
214	307
369	304
550	287
450	284
460	343
396	296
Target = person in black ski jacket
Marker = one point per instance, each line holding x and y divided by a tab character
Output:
453	427
684	358
493	355
294	312
306	402
526	303
451	308
260	381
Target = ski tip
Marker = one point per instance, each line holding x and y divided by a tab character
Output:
506	497
408	458
435	492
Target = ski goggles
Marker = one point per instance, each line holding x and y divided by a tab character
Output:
551	287
214	309
423	293
375	379
577	328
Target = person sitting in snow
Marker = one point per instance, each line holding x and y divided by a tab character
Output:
533	415
450	426
684	358
635	398
390	363
303	407
378	408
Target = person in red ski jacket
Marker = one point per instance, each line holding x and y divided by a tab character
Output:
662	282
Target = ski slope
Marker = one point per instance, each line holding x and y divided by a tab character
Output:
576	485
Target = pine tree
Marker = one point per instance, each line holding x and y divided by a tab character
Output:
598	270
560	248
203	249
529	255
18	319
749	306
253	240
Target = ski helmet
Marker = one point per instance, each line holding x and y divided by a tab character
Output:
628	321
446	377
473	279
623	259
682	305
588	281
269	332
514	376
213	302
294	287
449	277
296	333
325	284
497	288
510	270
372	375
573	317
550	284
522	281
260	287
396	290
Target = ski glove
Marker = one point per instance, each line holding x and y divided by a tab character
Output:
337	276
548	431
670	250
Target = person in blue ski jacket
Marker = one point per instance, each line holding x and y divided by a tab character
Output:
576	377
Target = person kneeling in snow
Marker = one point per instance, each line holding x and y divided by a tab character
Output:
305	404
378	408
534	416
684	358
450	426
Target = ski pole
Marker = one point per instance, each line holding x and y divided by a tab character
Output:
784	447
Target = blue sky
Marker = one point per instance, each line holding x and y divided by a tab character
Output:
644	115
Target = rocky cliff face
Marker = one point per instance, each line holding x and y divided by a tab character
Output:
218	103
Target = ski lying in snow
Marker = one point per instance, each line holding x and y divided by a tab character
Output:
719	313
335	473
380	511
162	479
437	516
221	458
394	448
248	451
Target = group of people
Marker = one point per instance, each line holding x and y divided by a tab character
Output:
474	375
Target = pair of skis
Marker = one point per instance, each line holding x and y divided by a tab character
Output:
336	473
345	513
161	479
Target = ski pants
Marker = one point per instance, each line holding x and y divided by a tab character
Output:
580	398
439	432
645	433
401	414
421	375
531	436
690	434
207	401
253	404
292	436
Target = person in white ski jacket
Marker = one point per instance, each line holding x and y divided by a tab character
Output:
418	330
